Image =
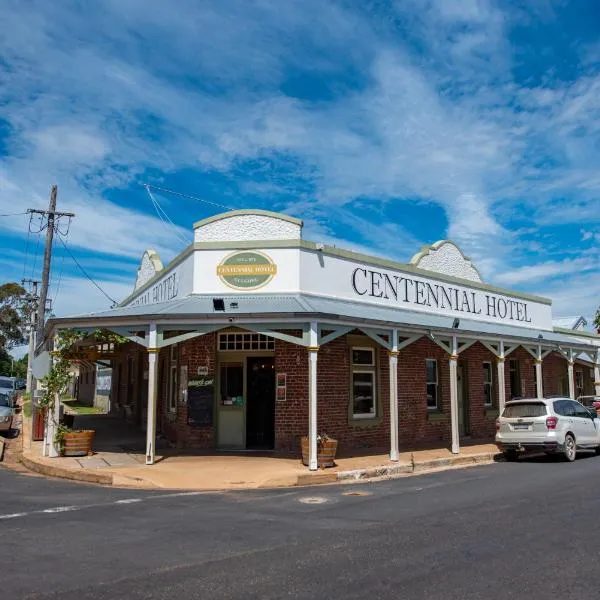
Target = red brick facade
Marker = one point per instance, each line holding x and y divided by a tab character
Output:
417	423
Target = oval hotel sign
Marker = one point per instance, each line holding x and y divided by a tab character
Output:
246	270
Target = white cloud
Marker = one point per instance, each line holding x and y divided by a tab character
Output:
547	270
96	96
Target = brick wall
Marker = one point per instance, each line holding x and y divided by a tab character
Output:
554	375
527	377
481	418
291	416
417	423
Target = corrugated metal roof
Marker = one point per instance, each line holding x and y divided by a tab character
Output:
201	306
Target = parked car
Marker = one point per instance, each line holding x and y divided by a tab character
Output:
550	425
6	413
8	387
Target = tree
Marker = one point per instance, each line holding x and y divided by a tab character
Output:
14	311
597	319
12	367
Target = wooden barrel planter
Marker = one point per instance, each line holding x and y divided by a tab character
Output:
78	443
326	451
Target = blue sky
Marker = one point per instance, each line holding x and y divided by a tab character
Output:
384	125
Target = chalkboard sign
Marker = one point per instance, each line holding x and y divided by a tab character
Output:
200	399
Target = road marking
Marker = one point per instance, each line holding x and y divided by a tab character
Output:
13	516
128	501
58	509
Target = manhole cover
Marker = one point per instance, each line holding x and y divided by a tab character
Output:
313	500
357	493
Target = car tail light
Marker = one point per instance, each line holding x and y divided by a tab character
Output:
551	422
497	424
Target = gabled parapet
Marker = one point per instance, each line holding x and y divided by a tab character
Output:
447	258
247	225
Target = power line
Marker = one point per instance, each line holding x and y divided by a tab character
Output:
160	189
159	209
85	272
13	214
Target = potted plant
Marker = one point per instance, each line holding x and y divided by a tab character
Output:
326	450
71	442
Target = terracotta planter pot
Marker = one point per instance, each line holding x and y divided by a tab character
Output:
326	451
78	443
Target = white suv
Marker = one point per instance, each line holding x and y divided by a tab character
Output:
549	425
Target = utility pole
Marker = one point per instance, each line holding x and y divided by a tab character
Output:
33	300
51	216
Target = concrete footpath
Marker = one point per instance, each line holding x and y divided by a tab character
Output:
226	471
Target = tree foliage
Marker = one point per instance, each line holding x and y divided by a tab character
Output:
12	367
597	319
14	312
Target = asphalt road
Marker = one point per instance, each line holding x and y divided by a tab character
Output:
525	530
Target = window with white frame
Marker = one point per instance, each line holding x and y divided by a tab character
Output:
488	384
245	341
432	384
363	383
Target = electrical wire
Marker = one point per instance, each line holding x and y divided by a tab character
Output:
158	208
60	272
114	302
12	214
161	189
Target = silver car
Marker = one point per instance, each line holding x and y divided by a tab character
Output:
6	413
550	425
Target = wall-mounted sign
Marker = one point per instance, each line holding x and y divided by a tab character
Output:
203	370
246	270
281	387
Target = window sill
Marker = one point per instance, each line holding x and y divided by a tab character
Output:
435	416
362	423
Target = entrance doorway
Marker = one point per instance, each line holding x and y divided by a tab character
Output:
260	403
463	402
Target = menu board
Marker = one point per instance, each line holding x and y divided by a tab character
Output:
200	401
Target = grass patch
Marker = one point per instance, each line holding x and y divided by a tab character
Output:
27	408
81	409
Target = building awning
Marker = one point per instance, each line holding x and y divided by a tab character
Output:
201	309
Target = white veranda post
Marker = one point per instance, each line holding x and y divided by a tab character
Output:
454	395
393	367
152	393
313	351
501	384
571	374
538	373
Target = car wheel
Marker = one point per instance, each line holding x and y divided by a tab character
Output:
597	450
510	455
569	449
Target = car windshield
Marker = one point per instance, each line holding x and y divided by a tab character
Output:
525	409
4	401
6	383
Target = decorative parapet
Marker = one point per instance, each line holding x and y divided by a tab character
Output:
150	265
447	258
247	225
